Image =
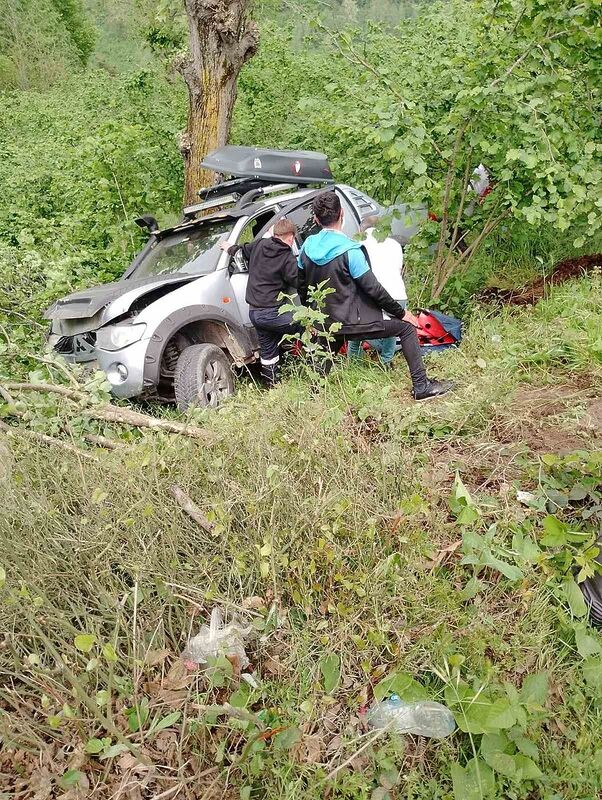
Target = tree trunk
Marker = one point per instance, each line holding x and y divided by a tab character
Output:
222	37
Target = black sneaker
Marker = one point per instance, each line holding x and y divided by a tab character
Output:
432	389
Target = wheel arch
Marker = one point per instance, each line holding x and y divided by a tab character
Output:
202	324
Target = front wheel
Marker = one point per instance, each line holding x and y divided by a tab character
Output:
202	377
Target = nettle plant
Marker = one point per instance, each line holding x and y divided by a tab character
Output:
316	337
514	86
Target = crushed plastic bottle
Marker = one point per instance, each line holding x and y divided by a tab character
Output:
217	639
422	718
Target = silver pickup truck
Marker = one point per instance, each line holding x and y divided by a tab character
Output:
177	322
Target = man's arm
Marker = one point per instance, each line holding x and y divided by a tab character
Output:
290	271
361	273
232	250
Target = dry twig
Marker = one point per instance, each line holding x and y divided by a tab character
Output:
191	508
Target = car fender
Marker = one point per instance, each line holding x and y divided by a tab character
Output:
235	337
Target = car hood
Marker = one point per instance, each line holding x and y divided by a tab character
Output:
121	294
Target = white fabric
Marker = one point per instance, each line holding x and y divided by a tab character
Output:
269	362
386	260
480	181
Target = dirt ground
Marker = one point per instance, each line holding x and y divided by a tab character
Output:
534	292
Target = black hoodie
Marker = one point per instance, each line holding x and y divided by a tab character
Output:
272	270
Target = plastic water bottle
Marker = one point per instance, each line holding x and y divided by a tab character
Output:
422	718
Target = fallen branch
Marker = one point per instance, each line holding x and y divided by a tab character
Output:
125	416
111	413
103	441
44	439
191	508
50	388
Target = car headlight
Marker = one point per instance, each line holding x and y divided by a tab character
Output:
115	337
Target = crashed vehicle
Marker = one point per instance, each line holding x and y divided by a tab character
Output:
176	325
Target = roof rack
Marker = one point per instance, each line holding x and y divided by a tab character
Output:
238	200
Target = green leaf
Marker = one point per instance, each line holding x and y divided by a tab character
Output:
70	778
240	697
102	697
555	532
592	672
501	715
85	642
330	667
471	709
98	496
468	516
472	588
574	597
109	653
114	750
287	738
166	722
526	746
473	782
502	763
494	743
2	577
586	645
508	570
534	691
94	746
526	548
529	769
137	715
402	684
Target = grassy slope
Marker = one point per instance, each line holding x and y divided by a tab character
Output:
335	506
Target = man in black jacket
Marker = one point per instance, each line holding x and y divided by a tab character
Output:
272	271
359	299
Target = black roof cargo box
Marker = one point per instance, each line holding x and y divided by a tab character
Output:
288	166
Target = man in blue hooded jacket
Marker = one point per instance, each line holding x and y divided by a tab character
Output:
358	300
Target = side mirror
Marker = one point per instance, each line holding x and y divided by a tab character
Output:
147	221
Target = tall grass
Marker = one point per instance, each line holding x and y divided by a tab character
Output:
329	506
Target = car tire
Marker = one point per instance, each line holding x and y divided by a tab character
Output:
203	377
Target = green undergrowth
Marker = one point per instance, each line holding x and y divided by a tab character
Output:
372	545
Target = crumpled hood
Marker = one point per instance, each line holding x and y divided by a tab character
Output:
89	302
322	247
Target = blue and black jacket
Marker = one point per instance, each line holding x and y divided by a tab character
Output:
358	299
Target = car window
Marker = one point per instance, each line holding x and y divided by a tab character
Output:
303	217
193	252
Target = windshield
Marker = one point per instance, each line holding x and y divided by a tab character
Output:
192	252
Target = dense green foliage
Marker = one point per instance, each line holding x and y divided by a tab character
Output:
517	89
80	161
42	41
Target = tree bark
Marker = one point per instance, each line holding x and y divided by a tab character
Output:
222	37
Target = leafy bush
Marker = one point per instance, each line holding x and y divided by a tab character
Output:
81	161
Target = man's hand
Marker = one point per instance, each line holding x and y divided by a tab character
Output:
409	317
224	245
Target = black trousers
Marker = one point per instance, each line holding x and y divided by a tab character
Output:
271	327
410	346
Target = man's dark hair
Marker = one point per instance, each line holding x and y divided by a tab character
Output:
327	208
